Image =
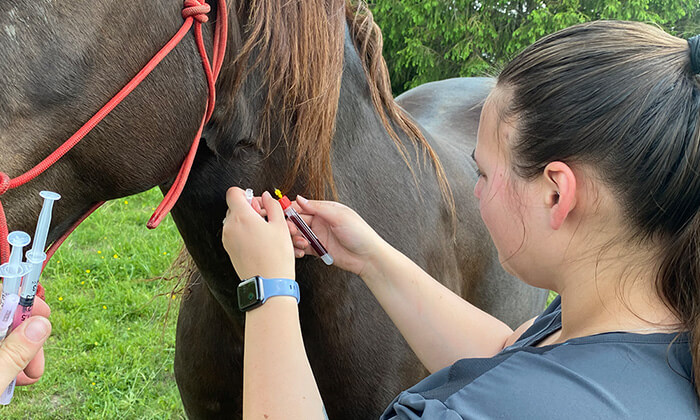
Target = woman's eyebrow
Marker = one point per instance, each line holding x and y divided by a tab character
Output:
473	157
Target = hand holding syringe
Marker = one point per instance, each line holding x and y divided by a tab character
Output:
12	273
17	308
21	352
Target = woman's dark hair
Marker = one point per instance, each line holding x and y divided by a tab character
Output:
624	99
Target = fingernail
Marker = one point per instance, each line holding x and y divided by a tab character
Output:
302	200
37	329
266	194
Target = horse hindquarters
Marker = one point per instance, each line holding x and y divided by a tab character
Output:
208	357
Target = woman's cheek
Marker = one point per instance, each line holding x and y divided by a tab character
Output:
499	218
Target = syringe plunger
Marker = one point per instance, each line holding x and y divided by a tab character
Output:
18	240
13	271
42	225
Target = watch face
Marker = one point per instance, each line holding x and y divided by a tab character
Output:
248	294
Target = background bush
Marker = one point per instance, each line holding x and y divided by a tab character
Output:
431	40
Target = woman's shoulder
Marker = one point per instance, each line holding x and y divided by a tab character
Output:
615	376
547	322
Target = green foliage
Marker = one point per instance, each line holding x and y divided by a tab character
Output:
427	40
110	354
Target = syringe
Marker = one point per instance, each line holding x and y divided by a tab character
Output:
36	258
35	262
12	273
303	228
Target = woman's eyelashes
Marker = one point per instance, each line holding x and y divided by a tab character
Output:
479	174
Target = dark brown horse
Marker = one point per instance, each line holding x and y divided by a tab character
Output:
303	103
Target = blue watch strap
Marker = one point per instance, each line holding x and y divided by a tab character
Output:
278	287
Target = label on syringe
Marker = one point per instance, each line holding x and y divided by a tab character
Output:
7	313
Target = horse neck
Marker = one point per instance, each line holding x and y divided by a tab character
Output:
132	150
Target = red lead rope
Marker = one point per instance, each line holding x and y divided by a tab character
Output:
194	12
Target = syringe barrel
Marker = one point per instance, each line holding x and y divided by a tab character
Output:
7	313
18	240
6	396
11	282
13	271
22	313
10	285
31	281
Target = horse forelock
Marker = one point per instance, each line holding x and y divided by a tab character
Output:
301	44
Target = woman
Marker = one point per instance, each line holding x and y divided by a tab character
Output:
589	158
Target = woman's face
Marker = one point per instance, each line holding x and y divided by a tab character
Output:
506	202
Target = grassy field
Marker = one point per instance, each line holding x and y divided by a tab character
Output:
110	355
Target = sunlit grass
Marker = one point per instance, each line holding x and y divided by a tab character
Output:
110	355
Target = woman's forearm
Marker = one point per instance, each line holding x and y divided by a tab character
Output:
277	379
439	325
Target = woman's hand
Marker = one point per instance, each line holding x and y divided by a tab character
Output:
256	246
21	353
352	243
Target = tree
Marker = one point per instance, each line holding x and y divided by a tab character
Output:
427	40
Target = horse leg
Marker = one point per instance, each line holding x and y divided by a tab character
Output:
208	356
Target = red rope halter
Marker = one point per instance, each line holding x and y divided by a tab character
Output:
194	12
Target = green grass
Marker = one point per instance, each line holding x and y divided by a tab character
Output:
110	354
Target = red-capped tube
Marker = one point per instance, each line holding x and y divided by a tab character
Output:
303	228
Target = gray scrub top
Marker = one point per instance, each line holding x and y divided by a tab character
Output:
617	375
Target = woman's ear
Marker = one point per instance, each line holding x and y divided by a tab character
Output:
560	190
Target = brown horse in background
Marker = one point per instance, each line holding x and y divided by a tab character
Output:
304	102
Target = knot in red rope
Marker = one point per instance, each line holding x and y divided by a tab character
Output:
4	183
196	9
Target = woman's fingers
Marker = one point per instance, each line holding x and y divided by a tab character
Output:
33	371
21	346
322	208
301	243
236	200
293	230
257	206
273	208
41	308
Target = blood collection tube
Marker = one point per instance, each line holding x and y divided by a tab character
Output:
303	228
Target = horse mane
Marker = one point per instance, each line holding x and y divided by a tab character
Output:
301	42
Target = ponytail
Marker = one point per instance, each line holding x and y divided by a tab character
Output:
678	284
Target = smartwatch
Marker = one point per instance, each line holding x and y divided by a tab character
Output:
254	291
